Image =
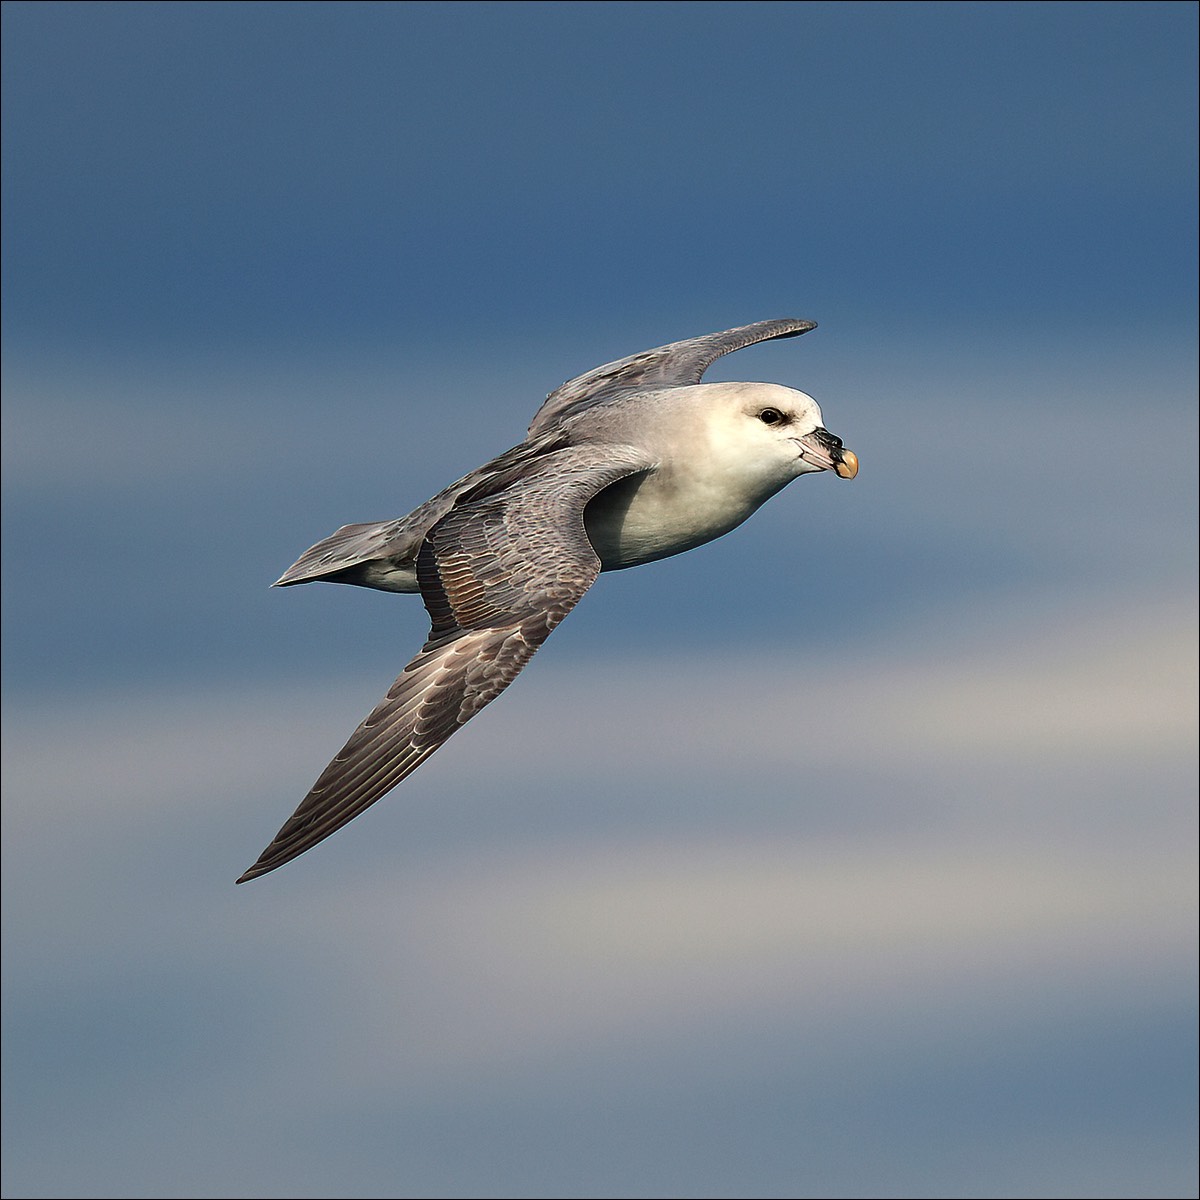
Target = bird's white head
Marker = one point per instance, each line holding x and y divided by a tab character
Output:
767	434
720	451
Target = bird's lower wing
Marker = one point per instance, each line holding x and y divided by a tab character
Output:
497	574
439	690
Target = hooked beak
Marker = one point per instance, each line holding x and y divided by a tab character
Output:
825	452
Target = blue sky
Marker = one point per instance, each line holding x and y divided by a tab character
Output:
853	854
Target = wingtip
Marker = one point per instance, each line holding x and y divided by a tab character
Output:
803	325
253	873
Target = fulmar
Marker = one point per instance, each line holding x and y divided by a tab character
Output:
631	462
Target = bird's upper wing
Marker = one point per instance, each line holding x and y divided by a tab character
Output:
497	572
677	364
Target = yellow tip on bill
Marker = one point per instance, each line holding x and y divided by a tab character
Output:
848	467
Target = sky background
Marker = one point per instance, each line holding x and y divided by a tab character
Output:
851	855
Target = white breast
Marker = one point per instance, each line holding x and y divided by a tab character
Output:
668	511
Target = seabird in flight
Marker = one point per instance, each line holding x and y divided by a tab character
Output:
631	462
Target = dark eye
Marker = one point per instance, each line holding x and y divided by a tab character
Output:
770	416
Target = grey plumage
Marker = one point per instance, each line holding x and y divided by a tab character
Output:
606	478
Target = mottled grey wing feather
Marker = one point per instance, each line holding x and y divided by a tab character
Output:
498	572
339	557
675	365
